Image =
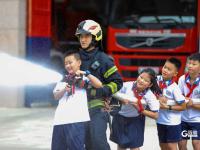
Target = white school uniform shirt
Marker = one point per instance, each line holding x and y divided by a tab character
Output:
173	92
129	110
190	115
73	108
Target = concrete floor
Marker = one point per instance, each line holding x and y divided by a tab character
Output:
31	129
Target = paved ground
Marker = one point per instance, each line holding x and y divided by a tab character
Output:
31	129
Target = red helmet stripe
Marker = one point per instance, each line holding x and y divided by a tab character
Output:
92	27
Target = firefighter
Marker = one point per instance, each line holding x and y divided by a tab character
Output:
99	64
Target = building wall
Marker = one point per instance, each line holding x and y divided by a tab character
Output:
12	41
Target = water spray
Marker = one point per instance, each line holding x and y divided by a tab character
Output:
19	72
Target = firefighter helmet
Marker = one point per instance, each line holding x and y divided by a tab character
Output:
89	27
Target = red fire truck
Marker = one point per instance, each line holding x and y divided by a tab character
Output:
144	33
140	33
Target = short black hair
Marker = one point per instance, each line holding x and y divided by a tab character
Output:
175	61
195	57
75	53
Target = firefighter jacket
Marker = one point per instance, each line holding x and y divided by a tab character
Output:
101	66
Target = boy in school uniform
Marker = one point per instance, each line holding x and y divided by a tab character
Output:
72	110
189	84
169	119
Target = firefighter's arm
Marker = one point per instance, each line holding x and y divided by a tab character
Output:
113	84
95	82
105	91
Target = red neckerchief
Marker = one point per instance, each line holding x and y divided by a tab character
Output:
189	86
73	89
139	97
164	84
82	84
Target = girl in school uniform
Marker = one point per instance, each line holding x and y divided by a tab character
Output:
128	124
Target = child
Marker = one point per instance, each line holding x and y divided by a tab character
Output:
128	125
190	87
169	120
72	111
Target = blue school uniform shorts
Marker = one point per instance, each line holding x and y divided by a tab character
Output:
68	137
128	132
190	130
169	133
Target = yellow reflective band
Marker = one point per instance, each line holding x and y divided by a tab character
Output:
93	92
95	103
112	86
110	71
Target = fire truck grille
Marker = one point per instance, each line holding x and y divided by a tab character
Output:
141	62
130	74
137	63
150	42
